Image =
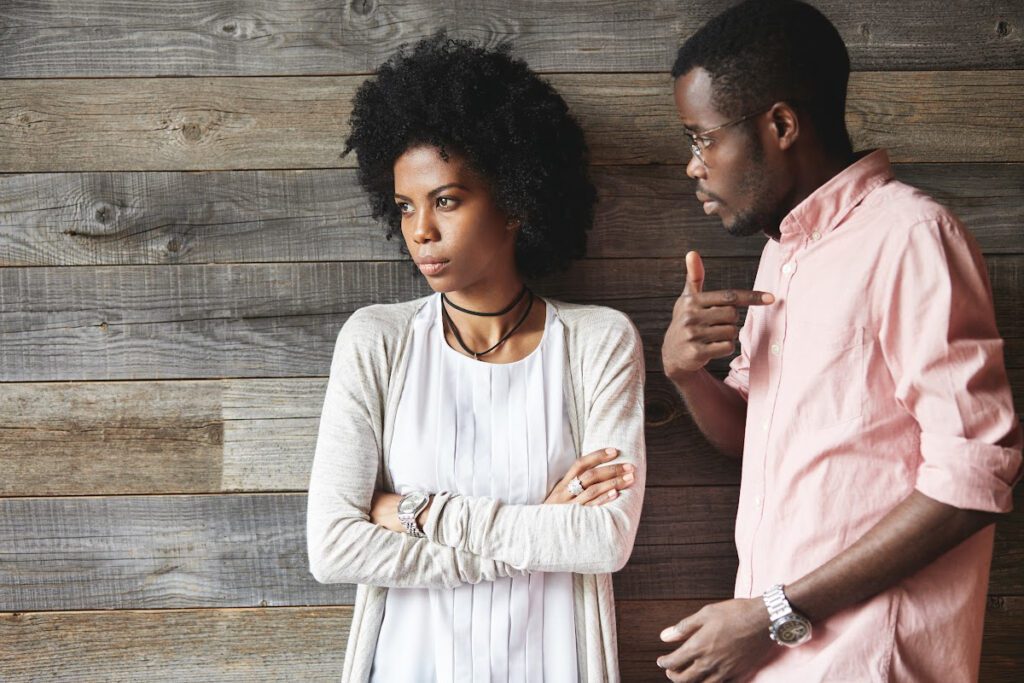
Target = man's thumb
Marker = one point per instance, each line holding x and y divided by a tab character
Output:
694	273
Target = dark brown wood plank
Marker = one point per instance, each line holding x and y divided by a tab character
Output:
248	550
168	124
103	38
308	642
243	645
640	622
322	215
257	435
211	436
281	320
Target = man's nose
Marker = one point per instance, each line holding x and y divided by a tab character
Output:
696	169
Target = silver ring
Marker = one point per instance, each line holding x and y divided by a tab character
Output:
575	487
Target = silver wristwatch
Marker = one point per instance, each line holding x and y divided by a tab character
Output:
787	627
409	508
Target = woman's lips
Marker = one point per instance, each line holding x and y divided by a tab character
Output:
431	267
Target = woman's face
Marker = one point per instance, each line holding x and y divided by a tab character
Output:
454	232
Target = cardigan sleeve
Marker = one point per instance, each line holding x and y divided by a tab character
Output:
569	538
344	546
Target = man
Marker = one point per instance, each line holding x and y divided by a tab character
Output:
869	402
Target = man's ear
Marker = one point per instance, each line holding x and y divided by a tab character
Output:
785	124
513	224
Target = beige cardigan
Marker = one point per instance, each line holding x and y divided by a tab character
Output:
473	539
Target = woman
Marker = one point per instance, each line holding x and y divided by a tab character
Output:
447	479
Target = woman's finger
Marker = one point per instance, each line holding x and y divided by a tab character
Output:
589	461
605	491
599	474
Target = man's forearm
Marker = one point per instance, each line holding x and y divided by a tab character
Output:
913	535
719	411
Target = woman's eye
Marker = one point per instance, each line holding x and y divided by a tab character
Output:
446	202
404	207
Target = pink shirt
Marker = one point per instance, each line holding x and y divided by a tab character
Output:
877	371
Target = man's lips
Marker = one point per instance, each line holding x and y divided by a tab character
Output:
710	205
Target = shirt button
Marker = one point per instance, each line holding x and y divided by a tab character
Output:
776	349
757	501
815	235
765	425
788	268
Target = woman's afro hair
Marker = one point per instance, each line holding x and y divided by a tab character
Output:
510	126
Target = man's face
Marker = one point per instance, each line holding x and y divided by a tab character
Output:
735	180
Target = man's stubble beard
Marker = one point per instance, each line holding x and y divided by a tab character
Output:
765	213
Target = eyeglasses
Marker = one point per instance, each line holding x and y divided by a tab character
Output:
699	141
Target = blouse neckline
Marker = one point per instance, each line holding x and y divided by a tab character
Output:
447	348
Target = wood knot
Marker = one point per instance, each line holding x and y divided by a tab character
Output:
1003	29
865	31
103	214
229	28
192	132
363	7
173	245
104	326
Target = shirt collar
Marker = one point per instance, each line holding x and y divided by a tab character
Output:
825	208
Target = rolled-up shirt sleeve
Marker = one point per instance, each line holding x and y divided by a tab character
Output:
939	339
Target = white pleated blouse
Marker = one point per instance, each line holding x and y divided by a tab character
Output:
481	429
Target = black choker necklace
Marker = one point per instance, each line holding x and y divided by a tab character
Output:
515	302
458	337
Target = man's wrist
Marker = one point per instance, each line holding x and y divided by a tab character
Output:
682	377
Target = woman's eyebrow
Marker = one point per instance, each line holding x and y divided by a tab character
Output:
436	191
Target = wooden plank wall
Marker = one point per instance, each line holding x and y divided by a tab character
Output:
180	240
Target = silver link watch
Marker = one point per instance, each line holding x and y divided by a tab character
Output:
409	508
788	628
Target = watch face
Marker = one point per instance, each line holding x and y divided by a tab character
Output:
793	630
411	503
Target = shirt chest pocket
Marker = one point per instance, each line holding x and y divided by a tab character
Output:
823	375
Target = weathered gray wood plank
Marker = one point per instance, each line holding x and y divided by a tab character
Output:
210	436
175	646
307	643
157	551
237	550
641	621
297	37
322	215
281	320
280	123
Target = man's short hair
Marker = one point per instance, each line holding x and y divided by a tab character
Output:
764	51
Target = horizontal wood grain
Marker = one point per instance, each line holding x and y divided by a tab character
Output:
307	643
211	436
255	435
51	219
178	124
201	645
281	320
248	550
103	38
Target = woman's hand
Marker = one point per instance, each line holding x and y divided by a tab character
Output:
601	483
